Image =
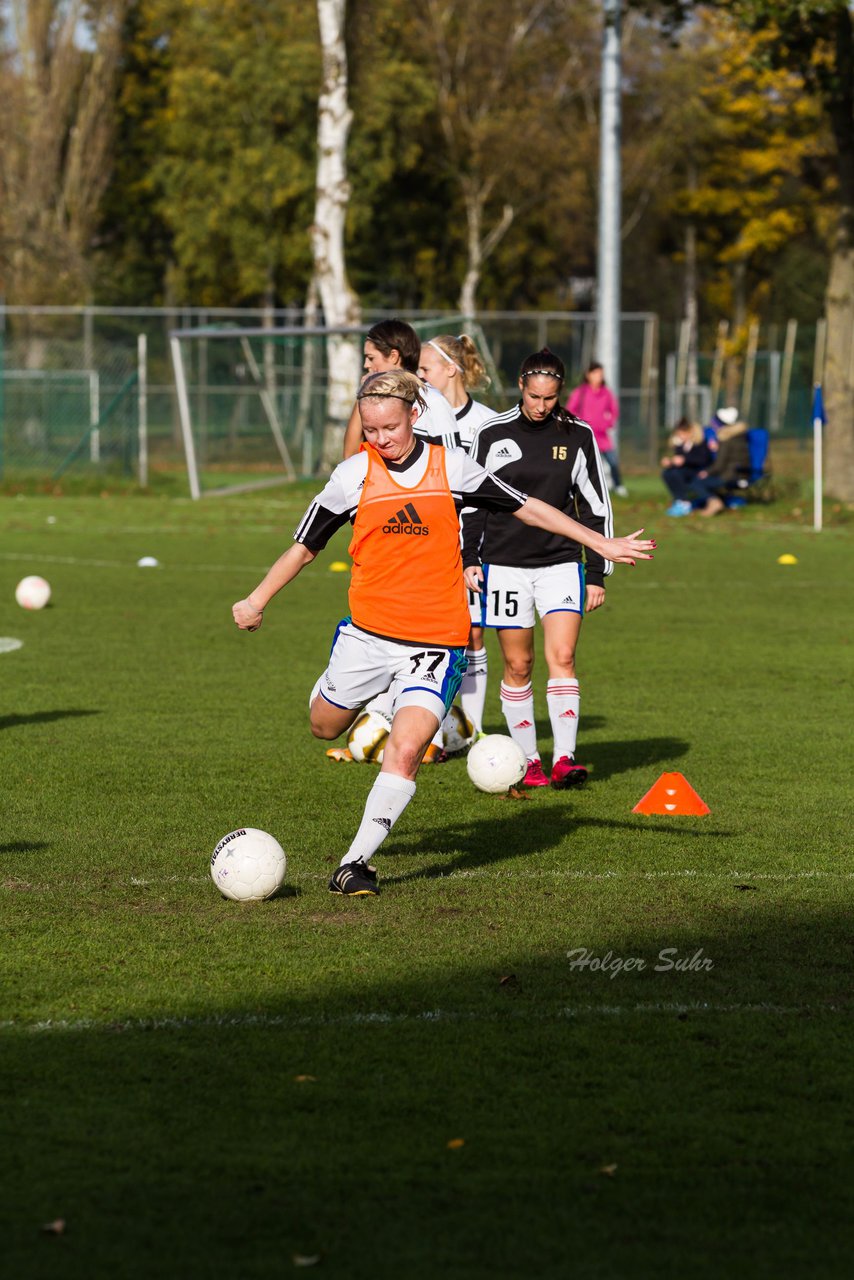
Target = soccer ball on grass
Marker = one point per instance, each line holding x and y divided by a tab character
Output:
32	592
457	732
368	736
496	763
248	865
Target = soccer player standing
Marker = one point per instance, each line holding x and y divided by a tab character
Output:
394	344
543	450
453	366
409	621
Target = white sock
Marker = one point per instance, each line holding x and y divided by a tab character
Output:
518	708
387	799
473	688
564	702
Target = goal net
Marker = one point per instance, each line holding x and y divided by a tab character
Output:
57	413
261	406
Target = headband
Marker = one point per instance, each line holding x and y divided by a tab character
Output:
385	395
543	373
444	355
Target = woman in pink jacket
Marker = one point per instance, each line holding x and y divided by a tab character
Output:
596	405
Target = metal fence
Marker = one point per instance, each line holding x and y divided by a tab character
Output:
74	395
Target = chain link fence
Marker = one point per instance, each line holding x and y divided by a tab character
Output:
75	396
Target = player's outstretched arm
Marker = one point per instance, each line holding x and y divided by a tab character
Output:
621	550
249	613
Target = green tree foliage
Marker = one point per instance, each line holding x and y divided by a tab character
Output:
399	249
509	83
814	41
135	242
221	101
754	130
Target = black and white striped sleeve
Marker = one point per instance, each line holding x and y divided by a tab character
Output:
334	507
437	422
593	503
474	486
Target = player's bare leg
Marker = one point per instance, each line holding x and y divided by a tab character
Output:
327	721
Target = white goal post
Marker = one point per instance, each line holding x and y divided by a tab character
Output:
249	397
252	400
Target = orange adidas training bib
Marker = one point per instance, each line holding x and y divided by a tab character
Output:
407	580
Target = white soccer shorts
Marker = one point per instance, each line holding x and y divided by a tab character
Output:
362	666
509	595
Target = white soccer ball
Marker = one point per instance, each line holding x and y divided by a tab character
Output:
32	592
457	732
496	763
248	865
368	737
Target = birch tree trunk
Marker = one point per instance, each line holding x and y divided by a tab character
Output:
479	246
339	302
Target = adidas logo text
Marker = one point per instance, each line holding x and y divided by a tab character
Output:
406	521
384	822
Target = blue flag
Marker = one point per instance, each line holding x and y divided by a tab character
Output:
818	405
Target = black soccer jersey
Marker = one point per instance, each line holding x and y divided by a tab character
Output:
560	464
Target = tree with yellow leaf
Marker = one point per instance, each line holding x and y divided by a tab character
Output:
755	129
235	123
813	41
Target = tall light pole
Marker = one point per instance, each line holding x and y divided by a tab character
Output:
610	216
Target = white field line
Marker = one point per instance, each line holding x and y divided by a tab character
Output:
14	883
555	874
310	1022
130	564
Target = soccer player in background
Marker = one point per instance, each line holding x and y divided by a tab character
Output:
543	450
408	616
454	367
394	344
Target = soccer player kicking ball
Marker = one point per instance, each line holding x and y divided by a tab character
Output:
409	620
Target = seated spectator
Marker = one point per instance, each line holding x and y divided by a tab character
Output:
689	456
731	464
720	418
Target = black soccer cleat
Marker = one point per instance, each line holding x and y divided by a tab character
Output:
354	879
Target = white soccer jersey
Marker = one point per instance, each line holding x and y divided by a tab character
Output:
470	417
437	421
470	484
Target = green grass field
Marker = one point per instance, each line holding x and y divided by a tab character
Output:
204	1089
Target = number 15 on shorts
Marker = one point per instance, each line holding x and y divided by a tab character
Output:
494	606
512	595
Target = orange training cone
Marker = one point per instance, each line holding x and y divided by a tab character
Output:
672	794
